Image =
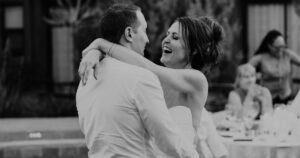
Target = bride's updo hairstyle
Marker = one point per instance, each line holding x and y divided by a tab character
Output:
203	37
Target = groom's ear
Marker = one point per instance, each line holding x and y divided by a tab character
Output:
128	33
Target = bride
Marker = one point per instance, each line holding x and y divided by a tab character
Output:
190	48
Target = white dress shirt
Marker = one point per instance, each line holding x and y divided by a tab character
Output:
120	111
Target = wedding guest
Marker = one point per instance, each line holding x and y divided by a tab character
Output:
248	99
274	61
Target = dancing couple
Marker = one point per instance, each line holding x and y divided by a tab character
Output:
123	98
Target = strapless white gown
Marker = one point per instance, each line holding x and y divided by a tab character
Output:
211	146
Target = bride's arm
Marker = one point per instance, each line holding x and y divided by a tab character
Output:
184	80
89	61
189	81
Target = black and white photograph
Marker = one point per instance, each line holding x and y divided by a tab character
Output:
150	79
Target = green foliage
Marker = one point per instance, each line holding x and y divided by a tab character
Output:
296	4
11	69
41	104
68	13
15	101
81	16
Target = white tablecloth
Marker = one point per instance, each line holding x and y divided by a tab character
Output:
260	149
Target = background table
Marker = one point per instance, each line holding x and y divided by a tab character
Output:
259	149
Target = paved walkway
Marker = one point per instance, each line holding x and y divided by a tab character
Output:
41	138
39	129
39	124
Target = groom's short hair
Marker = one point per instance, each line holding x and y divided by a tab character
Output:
116	19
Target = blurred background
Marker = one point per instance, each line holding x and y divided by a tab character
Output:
41	44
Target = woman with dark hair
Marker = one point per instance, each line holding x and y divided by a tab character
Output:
273	60
190	48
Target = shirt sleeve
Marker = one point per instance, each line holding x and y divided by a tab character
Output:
157	119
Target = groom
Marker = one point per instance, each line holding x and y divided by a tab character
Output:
119	112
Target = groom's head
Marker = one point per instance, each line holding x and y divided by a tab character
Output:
126	25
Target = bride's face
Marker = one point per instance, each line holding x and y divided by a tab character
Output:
174	50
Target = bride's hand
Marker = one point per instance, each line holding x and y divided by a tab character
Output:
89	61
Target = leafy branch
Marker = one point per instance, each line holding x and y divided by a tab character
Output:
69	14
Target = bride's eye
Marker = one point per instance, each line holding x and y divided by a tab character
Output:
175	37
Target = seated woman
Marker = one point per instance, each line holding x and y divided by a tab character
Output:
248	100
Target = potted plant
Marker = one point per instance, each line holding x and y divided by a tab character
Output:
65	20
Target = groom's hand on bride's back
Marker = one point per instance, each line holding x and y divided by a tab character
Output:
88	62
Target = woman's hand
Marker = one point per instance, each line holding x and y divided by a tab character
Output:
258	93
254	91
89	61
